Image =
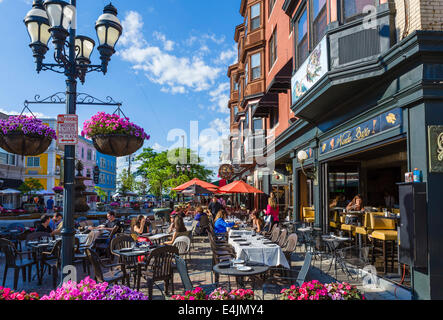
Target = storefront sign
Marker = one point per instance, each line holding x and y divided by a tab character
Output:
314	67
435	145
381	123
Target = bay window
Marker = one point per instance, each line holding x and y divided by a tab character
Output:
354	8
319	20
255	66
255	16
302	38
246	73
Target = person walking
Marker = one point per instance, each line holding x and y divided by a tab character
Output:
50	205
272	210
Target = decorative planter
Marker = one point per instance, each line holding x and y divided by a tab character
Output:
117	145
25	145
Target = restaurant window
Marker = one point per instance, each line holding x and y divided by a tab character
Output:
302	38
354	8
255	66
271	5
273	49
255	16
33	162
319	20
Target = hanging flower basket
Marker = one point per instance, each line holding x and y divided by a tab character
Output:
114	135
26	136
57	189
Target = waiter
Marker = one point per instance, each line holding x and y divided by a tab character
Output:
214	206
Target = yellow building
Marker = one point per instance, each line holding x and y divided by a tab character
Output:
46	167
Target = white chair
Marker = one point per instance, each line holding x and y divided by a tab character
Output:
183	243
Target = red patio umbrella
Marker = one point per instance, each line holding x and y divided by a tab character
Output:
239	187
196	181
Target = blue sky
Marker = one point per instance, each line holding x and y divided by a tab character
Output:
170	68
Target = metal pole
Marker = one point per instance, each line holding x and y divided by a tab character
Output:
68	231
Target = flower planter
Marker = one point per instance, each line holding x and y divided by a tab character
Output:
25	145
117	145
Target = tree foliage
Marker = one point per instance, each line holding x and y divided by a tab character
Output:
160	169
30	186
101	193
126	182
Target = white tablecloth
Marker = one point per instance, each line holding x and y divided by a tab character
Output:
257	251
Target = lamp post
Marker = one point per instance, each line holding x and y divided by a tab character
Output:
302	156
57	20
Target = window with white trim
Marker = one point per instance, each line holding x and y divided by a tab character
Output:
255	66
255	16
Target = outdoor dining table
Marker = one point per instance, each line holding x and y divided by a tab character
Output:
255	248
157	238
134	252
256	269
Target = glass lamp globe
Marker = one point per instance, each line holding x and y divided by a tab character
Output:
302	156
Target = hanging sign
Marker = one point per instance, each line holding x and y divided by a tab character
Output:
67	129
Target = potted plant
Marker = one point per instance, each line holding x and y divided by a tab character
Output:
57	189
114	135
26	136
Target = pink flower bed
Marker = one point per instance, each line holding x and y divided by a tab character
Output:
314	290
8	294
217	294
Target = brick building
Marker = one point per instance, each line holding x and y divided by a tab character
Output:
348	94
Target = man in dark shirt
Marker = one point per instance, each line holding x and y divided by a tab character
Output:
214	206
110	223
44	225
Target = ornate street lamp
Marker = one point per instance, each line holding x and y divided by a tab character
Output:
37	23
57	19
109	30
302	156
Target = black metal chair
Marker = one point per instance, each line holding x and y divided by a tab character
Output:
109	277
52	260
11	255
158	268
125	241
186	280
274	285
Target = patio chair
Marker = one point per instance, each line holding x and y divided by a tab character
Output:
275	234
283	238
158	268
109	277
291	246
125	241
186	280
183	243
51	259
274	285
17	238
11	255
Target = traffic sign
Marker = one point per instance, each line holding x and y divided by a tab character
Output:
67	129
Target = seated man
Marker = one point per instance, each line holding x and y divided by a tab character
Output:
43	226
110	223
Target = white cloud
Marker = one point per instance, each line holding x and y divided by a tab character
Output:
168	45
220	96
228	56
16	113
158	148
178	74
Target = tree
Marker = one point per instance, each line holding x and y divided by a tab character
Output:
141	187
126	182
161	172
30	186
101	193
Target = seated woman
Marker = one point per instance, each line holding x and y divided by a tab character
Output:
257	222
220	224
142	226
171	227
356	204
180	230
